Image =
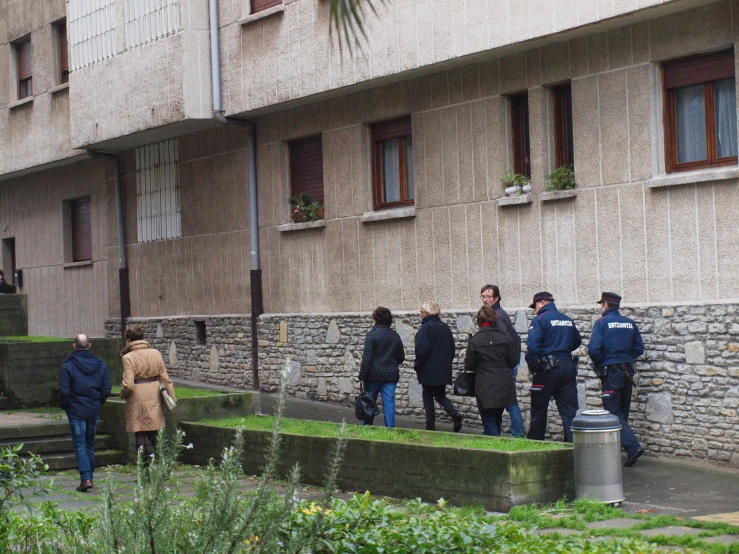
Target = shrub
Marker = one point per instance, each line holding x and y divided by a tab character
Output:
562	178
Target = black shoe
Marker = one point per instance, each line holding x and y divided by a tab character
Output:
631	460
457	422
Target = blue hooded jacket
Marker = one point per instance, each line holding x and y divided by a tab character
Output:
84	384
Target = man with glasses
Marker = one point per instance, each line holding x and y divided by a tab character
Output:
614	345
490	296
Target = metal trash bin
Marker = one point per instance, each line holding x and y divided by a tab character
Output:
596	435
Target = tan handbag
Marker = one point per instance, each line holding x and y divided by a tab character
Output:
167	400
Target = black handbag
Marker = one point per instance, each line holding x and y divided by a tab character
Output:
464	383
364	406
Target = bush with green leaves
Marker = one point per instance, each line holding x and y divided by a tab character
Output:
562	178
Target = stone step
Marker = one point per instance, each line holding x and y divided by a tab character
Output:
47	445
32	430
63	461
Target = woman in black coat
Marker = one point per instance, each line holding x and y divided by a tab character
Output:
435	353
490	354
382	356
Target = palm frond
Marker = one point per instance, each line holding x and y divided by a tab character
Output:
347	18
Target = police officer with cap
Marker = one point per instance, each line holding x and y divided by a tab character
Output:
614	345
552	338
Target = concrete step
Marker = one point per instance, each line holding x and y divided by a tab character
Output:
32	430
68	460
47	445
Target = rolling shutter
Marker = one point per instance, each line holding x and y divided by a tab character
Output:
63	52
81	231
306	167
260	5
699	69
25	67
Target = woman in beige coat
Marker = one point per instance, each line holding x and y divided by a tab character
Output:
143	370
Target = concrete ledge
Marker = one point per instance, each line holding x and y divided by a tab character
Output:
59	88
515	200
389	468
288	227
19	103
552	195
261	15
384	215
692	177
77	264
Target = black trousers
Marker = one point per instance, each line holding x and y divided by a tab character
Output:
560	383
437	393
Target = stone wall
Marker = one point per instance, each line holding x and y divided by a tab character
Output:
223	359
13	315
686	404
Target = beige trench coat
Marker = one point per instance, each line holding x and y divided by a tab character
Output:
144	410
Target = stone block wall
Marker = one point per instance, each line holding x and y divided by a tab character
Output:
224	358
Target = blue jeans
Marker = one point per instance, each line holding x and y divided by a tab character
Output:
492	419
387	390
514	411
83	439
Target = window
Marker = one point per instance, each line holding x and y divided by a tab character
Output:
700	112
564	153
392	167
92	31
158	191
61	33
261	5
200	334
520	134
149	21
306	167
81	230
24	56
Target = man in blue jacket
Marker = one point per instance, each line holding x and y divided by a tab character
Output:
552	338
84	386
614	345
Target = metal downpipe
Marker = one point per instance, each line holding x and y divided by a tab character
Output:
257	305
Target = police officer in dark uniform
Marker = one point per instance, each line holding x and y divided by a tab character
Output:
552	338
614	345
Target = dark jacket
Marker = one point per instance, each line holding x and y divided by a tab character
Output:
504	321
435	351
84	384
615	340
551	333
383	353
490	353
6	288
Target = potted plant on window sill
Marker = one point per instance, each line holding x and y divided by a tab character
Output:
304	208
515	184
562	178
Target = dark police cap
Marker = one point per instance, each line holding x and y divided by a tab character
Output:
611	297
541	296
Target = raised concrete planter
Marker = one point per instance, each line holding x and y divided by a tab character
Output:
498	480
228	404
13	315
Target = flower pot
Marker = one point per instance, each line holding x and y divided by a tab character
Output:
526	189
512	190
298	217
321	213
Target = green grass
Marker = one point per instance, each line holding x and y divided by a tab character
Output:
408	436
23	338
184	392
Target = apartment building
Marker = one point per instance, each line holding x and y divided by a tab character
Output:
129	163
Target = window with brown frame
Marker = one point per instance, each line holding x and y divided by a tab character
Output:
700	112
261	5
564	153
61	29
520	134
392	163
23	52
306	167
81	230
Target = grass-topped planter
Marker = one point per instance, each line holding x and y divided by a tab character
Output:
498	473
192	405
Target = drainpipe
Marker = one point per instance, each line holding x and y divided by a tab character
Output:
255	275
125	297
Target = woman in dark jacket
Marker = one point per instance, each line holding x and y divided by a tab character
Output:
383	353
435	352
490	353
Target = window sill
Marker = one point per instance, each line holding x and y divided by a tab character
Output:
692	177
552	195
59	88
19	103
515	200
77	264
384	215
261	15
289	227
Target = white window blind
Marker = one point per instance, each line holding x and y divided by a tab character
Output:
148	20
158	191
91	31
